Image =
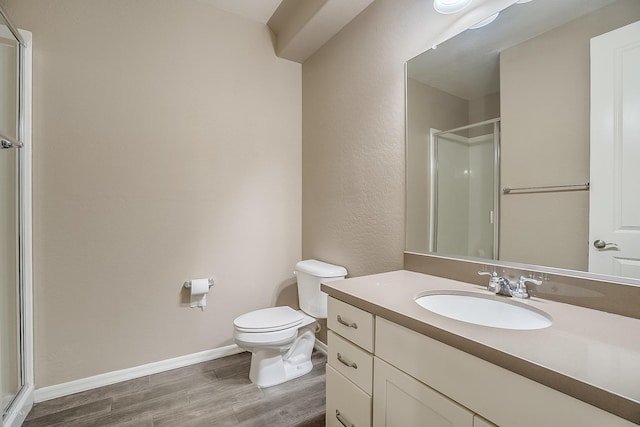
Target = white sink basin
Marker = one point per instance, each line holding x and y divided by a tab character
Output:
486	310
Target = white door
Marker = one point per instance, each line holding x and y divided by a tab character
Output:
614	217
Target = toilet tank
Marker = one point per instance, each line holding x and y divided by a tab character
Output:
310	274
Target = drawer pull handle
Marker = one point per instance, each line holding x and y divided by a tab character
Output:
345	422
347	324
346	362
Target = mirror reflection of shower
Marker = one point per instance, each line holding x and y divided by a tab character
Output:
465	176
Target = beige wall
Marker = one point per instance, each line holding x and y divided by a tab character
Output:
545	140
485	108
167	146
353	134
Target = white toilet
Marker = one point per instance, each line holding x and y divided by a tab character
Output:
281	338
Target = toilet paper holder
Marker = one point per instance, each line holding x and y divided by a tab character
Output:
187	284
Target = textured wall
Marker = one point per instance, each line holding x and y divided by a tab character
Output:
167	146
353	132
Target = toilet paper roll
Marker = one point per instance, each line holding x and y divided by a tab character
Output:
199	291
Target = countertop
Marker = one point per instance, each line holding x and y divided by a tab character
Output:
588	354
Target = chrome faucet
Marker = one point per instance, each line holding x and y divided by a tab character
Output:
521	287
497	284
502	286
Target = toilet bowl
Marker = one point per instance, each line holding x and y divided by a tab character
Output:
281	339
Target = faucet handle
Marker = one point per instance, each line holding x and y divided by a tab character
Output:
493	281
524	280
521	288
487	273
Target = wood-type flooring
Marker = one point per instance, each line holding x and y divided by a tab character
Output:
214	393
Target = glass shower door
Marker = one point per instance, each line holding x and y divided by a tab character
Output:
9	299
464	194
10	337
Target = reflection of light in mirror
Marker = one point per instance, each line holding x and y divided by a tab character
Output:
450	6
485	22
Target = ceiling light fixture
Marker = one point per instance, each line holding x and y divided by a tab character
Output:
484	22
450	6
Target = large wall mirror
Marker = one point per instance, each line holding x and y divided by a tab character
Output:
523	139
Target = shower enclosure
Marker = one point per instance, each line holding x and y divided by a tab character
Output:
465	176
16	382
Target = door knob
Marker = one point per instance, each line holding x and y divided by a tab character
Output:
601	244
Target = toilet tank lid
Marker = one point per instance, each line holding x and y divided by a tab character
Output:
320	269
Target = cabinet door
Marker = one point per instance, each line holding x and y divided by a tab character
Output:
400	401
350	322
351	361
347	404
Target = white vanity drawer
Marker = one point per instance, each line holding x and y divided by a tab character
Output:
351	361
352	323
346	403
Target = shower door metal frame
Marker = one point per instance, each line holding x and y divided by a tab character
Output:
433	176
22	402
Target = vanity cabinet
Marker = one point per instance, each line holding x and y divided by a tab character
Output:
404	378
349	365
494	393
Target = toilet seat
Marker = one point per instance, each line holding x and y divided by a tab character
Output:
271	319
277	338
273	326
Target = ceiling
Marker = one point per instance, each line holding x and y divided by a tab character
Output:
300	27
255	10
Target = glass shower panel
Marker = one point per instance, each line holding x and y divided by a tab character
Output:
465	163
10	365
452	194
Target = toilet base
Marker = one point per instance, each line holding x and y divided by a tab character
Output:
273	365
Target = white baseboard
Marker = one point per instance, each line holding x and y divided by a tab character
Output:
64	389
321	347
